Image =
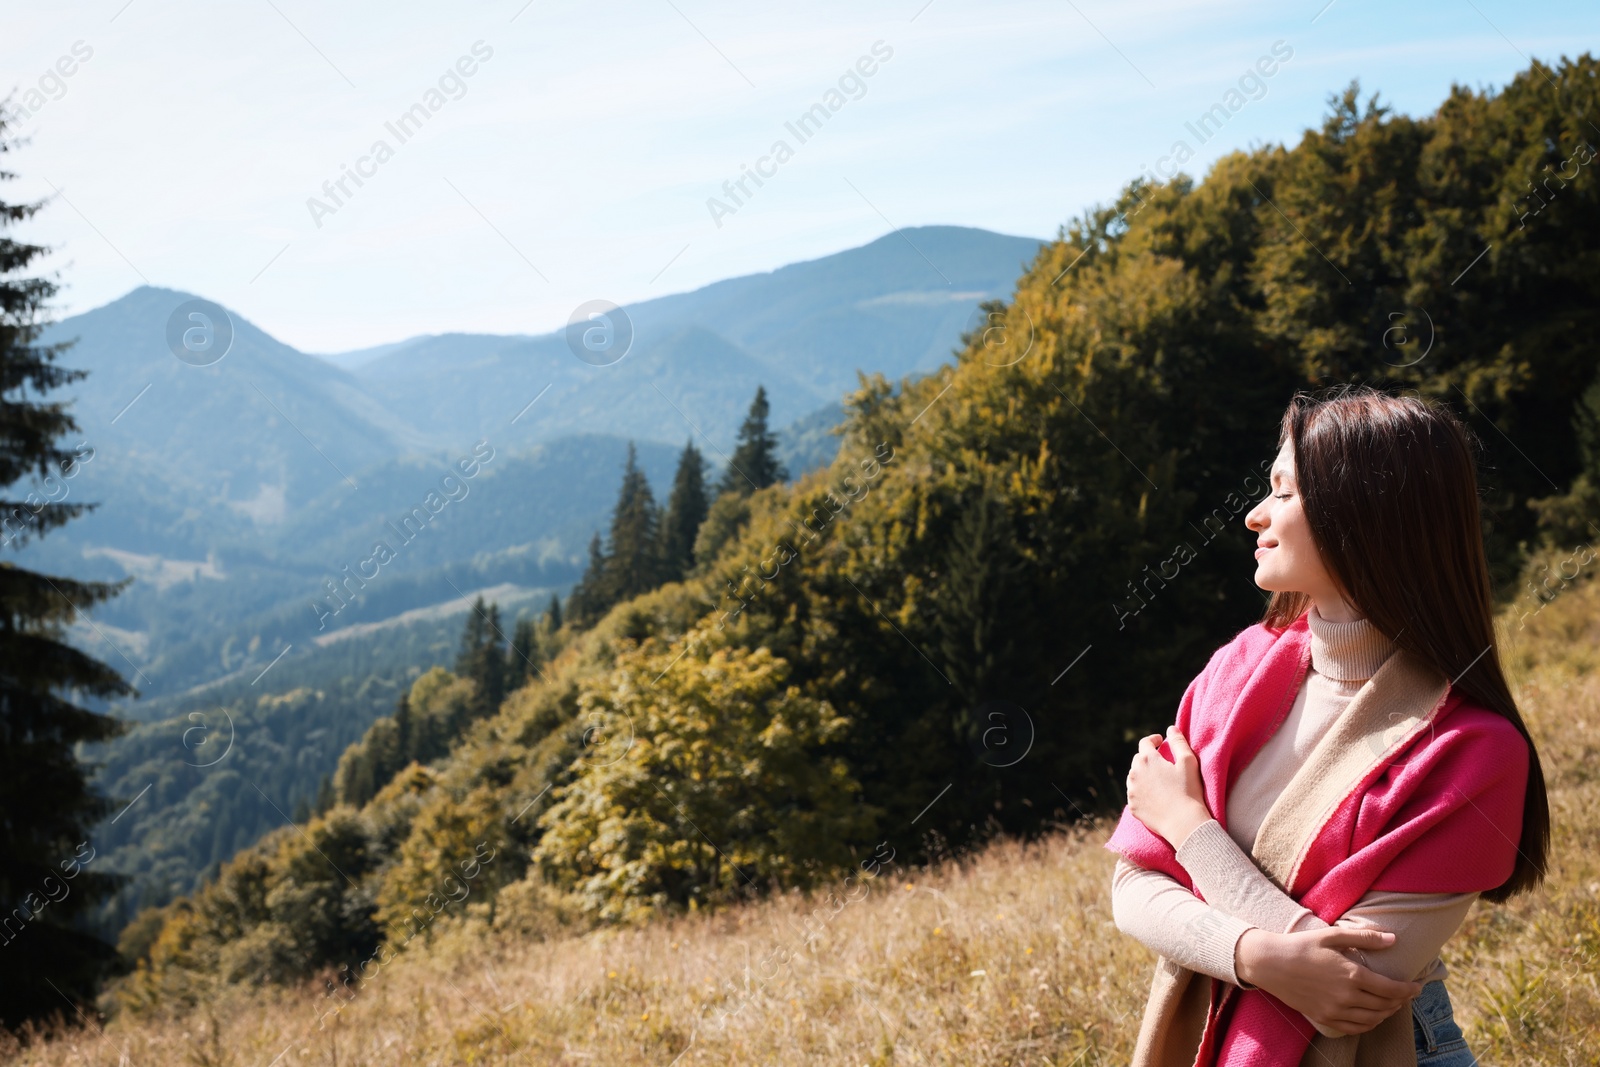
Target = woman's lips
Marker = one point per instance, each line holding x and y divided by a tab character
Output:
1262	550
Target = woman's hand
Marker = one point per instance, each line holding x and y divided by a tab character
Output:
1167	796
1309	972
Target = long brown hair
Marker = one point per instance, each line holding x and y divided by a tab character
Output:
1390	491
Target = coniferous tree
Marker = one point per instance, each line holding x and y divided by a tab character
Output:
552	614
473	634
686	510
631	562
483	658
48	805
523	654
754	464
586	603
634	563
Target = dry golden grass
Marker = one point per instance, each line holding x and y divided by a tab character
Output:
1007	958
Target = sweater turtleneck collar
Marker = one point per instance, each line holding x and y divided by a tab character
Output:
1346	651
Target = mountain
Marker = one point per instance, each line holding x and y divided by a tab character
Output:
895	306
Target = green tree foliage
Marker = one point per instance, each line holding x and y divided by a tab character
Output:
587	601
426	723
686	510
45	886
754	464
714	780
633	565
483	658
631	561
299	903
453	852
523	653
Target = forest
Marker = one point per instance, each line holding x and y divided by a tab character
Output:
1009	571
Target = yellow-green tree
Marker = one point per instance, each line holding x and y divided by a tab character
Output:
703	776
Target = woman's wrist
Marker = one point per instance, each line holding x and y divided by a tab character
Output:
1250	954
1185	822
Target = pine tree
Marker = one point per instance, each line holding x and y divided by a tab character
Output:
634	565
755	462
686	510
473	635
523	655
586	603
552	614
483	658
48	804
632	562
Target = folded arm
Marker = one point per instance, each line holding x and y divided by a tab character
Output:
1168	919
1231	882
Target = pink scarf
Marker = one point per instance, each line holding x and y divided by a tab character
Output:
1436	809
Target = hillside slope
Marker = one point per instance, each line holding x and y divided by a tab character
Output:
1009	957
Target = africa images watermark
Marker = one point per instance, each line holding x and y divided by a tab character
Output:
1251	85
52	84
402	128
410	527
54	490
54	891
783	553
421	918
1582	156
802	128
1553	584
1215	523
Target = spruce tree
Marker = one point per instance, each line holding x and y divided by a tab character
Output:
586	603
754	464
634	563
473	634
686	510
47	877
552	614
483	658
522	657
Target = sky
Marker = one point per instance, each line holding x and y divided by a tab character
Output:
562	152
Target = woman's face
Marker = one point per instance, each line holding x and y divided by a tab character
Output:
1287	560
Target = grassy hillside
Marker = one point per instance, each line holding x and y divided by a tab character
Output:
1006	957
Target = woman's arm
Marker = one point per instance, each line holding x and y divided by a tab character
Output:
1230	880
1309	970
1171	921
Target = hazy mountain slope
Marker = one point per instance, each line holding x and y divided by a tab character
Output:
896	305
803	330
462	387
254	420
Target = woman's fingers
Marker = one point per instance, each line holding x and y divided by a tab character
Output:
1149	744
1180	744
1356	937
1361	999
1370	981
1359	1020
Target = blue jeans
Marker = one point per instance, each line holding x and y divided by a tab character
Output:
1433	1025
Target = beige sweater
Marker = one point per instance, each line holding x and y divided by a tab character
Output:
1203	935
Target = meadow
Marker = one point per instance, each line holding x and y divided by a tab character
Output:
1007	956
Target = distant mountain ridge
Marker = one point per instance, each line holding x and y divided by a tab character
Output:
243	484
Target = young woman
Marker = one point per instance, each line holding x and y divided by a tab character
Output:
1345	777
